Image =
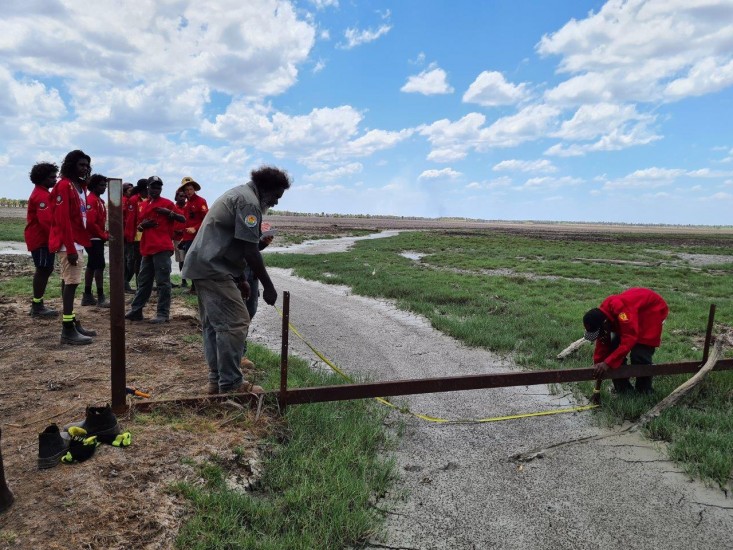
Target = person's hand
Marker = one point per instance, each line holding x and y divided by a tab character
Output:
267	240
164	211
191	230
73	258
244	290
147	224
599	369
270	296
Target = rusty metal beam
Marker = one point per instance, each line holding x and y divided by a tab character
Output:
481	381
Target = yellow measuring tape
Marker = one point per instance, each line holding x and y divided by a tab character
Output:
426	417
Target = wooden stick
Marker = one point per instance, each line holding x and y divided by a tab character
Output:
575	346
683	389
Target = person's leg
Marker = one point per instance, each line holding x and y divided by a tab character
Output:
642	355
71	277
251	304
225	311
209	336
162	265
137	261
44	262
87	298
129	266
144	288
620	385
99	273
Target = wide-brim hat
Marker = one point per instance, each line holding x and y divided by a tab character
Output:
188	180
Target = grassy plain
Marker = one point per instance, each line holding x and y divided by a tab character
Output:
524	295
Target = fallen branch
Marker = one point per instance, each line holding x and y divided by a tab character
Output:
575	346
685	388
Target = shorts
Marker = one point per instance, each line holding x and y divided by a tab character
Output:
42	258
96	255
71	274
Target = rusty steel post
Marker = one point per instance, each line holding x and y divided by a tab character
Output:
284	353
6	495
708	333
117	296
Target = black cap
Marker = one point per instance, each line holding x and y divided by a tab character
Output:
593	322
156	180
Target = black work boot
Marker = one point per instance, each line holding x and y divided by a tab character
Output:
69	335
88	299
51	447
81	330
102	301
134	315
40	310
101	421
6	495
128	288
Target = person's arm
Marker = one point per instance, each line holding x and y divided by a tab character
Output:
175	216
254	261
629	335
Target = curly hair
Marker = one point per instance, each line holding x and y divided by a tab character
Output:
68	168
95	180
41	171
269	178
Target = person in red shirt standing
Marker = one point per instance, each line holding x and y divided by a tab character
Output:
626	323
132	240
195	211
97	229
68	237
156	247
126	194
179	255
39	216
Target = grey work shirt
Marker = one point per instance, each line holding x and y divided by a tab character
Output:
217	251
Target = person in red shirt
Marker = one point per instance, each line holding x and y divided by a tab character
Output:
132	238
178	227
156	247
194	211
38	217
69	236
626	323
126	194
97	229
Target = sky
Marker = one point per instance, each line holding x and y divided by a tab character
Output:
500	110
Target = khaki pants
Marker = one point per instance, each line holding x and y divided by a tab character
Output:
71	274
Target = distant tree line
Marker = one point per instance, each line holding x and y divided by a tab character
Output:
13	203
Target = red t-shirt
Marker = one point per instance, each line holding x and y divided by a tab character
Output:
195	210
38	218
129	218
156	239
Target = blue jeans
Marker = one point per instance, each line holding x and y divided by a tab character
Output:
156	267
225	323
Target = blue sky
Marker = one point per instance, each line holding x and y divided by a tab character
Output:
553	110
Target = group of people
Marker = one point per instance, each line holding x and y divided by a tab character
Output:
218	250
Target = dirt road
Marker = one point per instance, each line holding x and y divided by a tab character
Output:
460	488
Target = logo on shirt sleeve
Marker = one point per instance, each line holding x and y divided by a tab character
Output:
250	221
58	199
623	317
42	205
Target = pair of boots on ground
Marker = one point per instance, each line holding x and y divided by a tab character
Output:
73	333
78	441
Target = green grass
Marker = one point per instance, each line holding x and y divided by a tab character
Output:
11	229
534	309
320	480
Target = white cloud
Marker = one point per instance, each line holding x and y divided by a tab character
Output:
644	50
551	182
490	89
322	4
615	140
648	178
356	37
452	140
593	120
337	173
445	173
532	122
431	81
515	165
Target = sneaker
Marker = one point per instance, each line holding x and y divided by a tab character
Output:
158	319
245	387
88	299
212	388
247	364
51	447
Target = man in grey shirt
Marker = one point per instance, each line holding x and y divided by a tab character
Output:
226	243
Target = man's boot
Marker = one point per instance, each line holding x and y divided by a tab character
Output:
102	300
81	330
88	299
69	335
6	495
40	310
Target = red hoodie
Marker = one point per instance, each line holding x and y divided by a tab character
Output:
636	316
68	228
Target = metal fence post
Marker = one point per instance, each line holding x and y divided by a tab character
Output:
117	296
284	353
